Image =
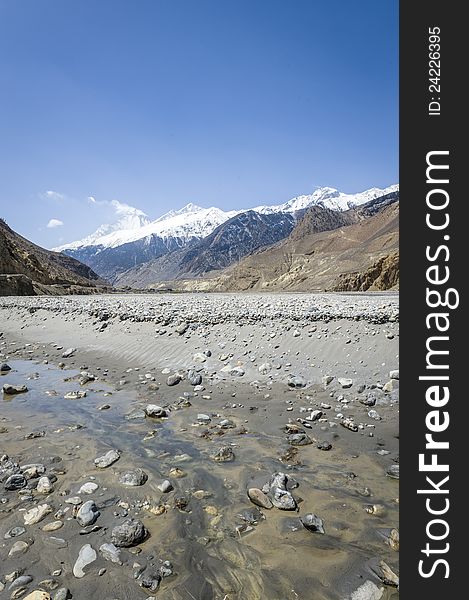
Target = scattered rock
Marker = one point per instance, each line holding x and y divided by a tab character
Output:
36	514
10	390
87	513
111	553
223	454
130	533
18	548
76	395
394	374
313	523
173	379
133	478
68	353
299	439
88	488
4	368
15	482
194	378
165	486
296	381
86	556
155	411
44	485
393	471
345	382
324	446
258	497
102	462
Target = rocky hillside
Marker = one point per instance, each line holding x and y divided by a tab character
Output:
227	244
353	250
27	269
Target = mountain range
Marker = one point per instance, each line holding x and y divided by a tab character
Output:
193	241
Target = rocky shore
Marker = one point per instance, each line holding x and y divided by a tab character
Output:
199	446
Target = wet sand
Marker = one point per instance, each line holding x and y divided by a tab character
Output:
256	350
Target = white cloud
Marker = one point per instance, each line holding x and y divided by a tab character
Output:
122	209
54	223
51	195
92	199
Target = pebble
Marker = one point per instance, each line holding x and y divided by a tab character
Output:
173	379
135	477
14	532
313	523
165	486
36	514
14	389
258	497
69	352
86	556
102	462
394	374
88	488
53	526
296	381
87	513
15	482
4	368
223	454
345	382
18	547
62	593
155	411
130	533
44	485
111	553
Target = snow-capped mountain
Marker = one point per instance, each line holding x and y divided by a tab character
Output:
135	239
191	221
328	198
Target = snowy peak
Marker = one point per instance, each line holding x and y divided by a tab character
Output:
196	222
329	198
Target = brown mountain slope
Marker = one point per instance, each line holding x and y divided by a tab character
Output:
29	269
344	258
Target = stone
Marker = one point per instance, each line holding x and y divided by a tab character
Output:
87	513
14	389
102	462
345	382
62	593
199	357
258	497
69	352
385	573
173	379
367	591
296	382
111	553
283	499
76	395
312	523
299	439
223	454
155	411
349	424
86	556
15	482
194	378
20	581
135	414
394	374
165	486
393	471
130	533
38	595
53	526
264	368
36	514
315	415
374	415
4	368
18	548
150	581
14	532
391	385
182	328
133	478
327	379
324	446
44	485
203	418
88	488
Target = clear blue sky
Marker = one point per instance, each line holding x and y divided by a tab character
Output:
157	103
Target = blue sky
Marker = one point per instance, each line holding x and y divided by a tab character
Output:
158	103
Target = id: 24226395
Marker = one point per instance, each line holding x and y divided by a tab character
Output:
434	87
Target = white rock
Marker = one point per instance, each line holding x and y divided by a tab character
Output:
85	557
88	488
44	485
36	514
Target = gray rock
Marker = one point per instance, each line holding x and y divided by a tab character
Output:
296	381
324	446
258	497
18	548
14	532
374	415
315	415
199	357
15	482
394	374
4	368
283	499
313	523
14	389
68	353
130	533
173	379
345	382
150	581
194	378
86	556
20	581
155	411
182	328
391	385
165	486
367	591
327	379
299	439
223	454
87	513
102	462
135	414
62	593
111	553
88	488
44	485
393	471
134	478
